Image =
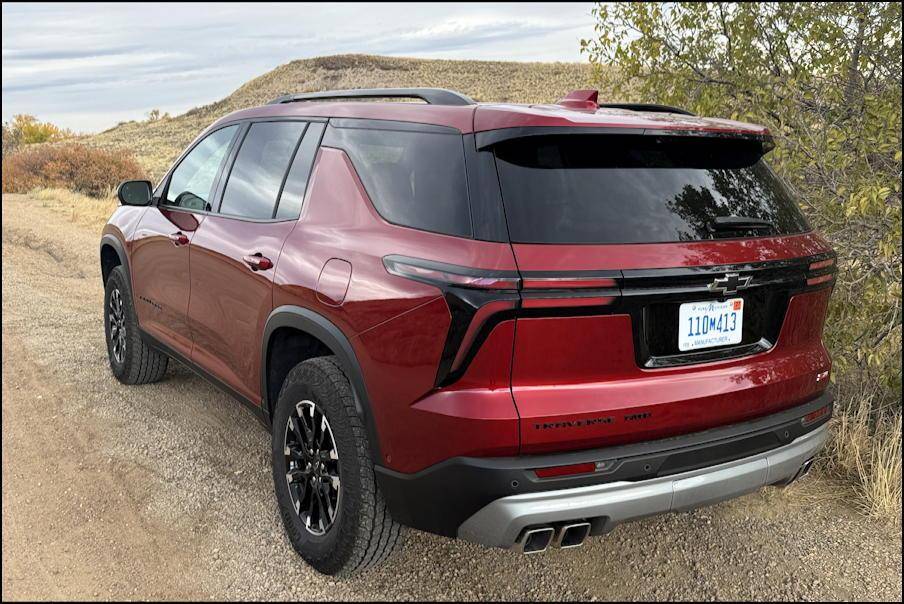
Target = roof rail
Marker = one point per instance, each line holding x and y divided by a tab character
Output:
432	96
652	107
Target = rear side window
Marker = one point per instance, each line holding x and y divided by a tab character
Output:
192	182
297	181
639	189
259	168
414	179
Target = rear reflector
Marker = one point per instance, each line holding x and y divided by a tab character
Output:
815	416
571	470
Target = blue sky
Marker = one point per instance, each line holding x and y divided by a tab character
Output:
89	66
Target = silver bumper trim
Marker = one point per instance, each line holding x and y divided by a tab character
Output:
499	523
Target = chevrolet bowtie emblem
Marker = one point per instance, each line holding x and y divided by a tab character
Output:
729	284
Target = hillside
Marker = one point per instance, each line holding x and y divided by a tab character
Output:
155	144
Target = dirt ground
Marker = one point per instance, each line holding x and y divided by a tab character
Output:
164	491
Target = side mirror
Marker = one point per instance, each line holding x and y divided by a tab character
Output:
134	192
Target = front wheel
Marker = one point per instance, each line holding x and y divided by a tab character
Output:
331	508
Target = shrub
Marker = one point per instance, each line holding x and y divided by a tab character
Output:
27	130
90	171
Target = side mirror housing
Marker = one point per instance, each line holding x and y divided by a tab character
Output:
134	192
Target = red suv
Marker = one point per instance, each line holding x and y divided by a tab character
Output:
518	325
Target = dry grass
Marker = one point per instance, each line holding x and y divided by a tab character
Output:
80	209
156	143
865	451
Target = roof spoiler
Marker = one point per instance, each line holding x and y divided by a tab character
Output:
589	99
431	96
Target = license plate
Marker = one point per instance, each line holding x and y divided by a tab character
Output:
709	324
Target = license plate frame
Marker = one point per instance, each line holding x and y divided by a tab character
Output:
710	323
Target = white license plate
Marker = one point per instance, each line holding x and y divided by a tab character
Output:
708	324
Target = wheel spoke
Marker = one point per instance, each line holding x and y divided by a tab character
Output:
312	461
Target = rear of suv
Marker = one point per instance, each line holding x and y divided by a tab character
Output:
518	325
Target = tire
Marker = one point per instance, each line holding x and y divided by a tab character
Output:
361	534
131	360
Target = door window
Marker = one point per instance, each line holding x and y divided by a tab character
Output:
259	169
191	184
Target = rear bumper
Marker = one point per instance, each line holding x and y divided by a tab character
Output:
455	497
500	523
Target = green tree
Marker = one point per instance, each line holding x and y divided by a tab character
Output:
825	77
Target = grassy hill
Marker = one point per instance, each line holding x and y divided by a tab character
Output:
156	143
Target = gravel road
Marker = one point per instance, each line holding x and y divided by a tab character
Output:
164	491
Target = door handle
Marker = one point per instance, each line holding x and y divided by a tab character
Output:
179	238
258	262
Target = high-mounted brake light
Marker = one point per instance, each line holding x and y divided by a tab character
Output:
442	274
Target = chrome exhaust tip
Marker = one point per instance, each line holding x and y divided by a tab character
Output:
536	540
573	535
806	467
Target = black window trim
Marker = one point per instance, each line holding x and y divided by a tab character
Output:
230	162
289	170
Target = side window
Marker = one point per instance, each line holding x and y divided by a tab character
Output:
191	184
414	179
259	168
297	181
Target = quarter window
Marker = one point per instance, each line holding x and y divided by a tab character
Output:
414	179
260	166
191	184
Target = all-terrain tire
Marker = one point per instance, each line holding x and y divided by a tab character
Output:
132	361
363	533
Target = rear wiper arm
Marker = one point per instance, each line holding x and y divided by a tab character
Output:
739	223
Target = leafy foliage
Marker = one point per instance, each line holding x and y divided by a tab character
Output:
93	172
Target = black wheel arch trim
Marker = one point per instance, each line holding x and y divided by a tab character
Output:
114	242
318	326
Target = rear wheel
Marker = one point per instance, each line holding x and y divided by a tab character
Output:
131	360
332	510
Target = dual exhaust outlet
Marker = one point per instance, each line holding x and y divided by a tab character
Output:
537	539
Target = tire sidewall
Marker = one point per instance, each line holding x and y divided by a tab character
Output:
328	552
115	281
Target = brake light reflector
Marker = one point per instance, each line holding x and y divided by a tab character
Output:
815	416
569	470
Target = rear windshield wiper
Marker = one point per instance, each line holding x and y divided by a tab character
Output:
739	223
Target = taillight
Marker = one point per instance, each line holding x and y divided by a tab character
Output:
821	271
442	274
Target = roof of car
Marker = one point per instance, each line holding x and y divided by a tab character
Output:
479	117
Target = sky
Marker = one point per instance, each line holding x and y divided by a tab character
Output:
89	66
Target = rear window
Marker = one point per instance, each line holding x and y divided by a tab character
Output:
640	189
414	179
